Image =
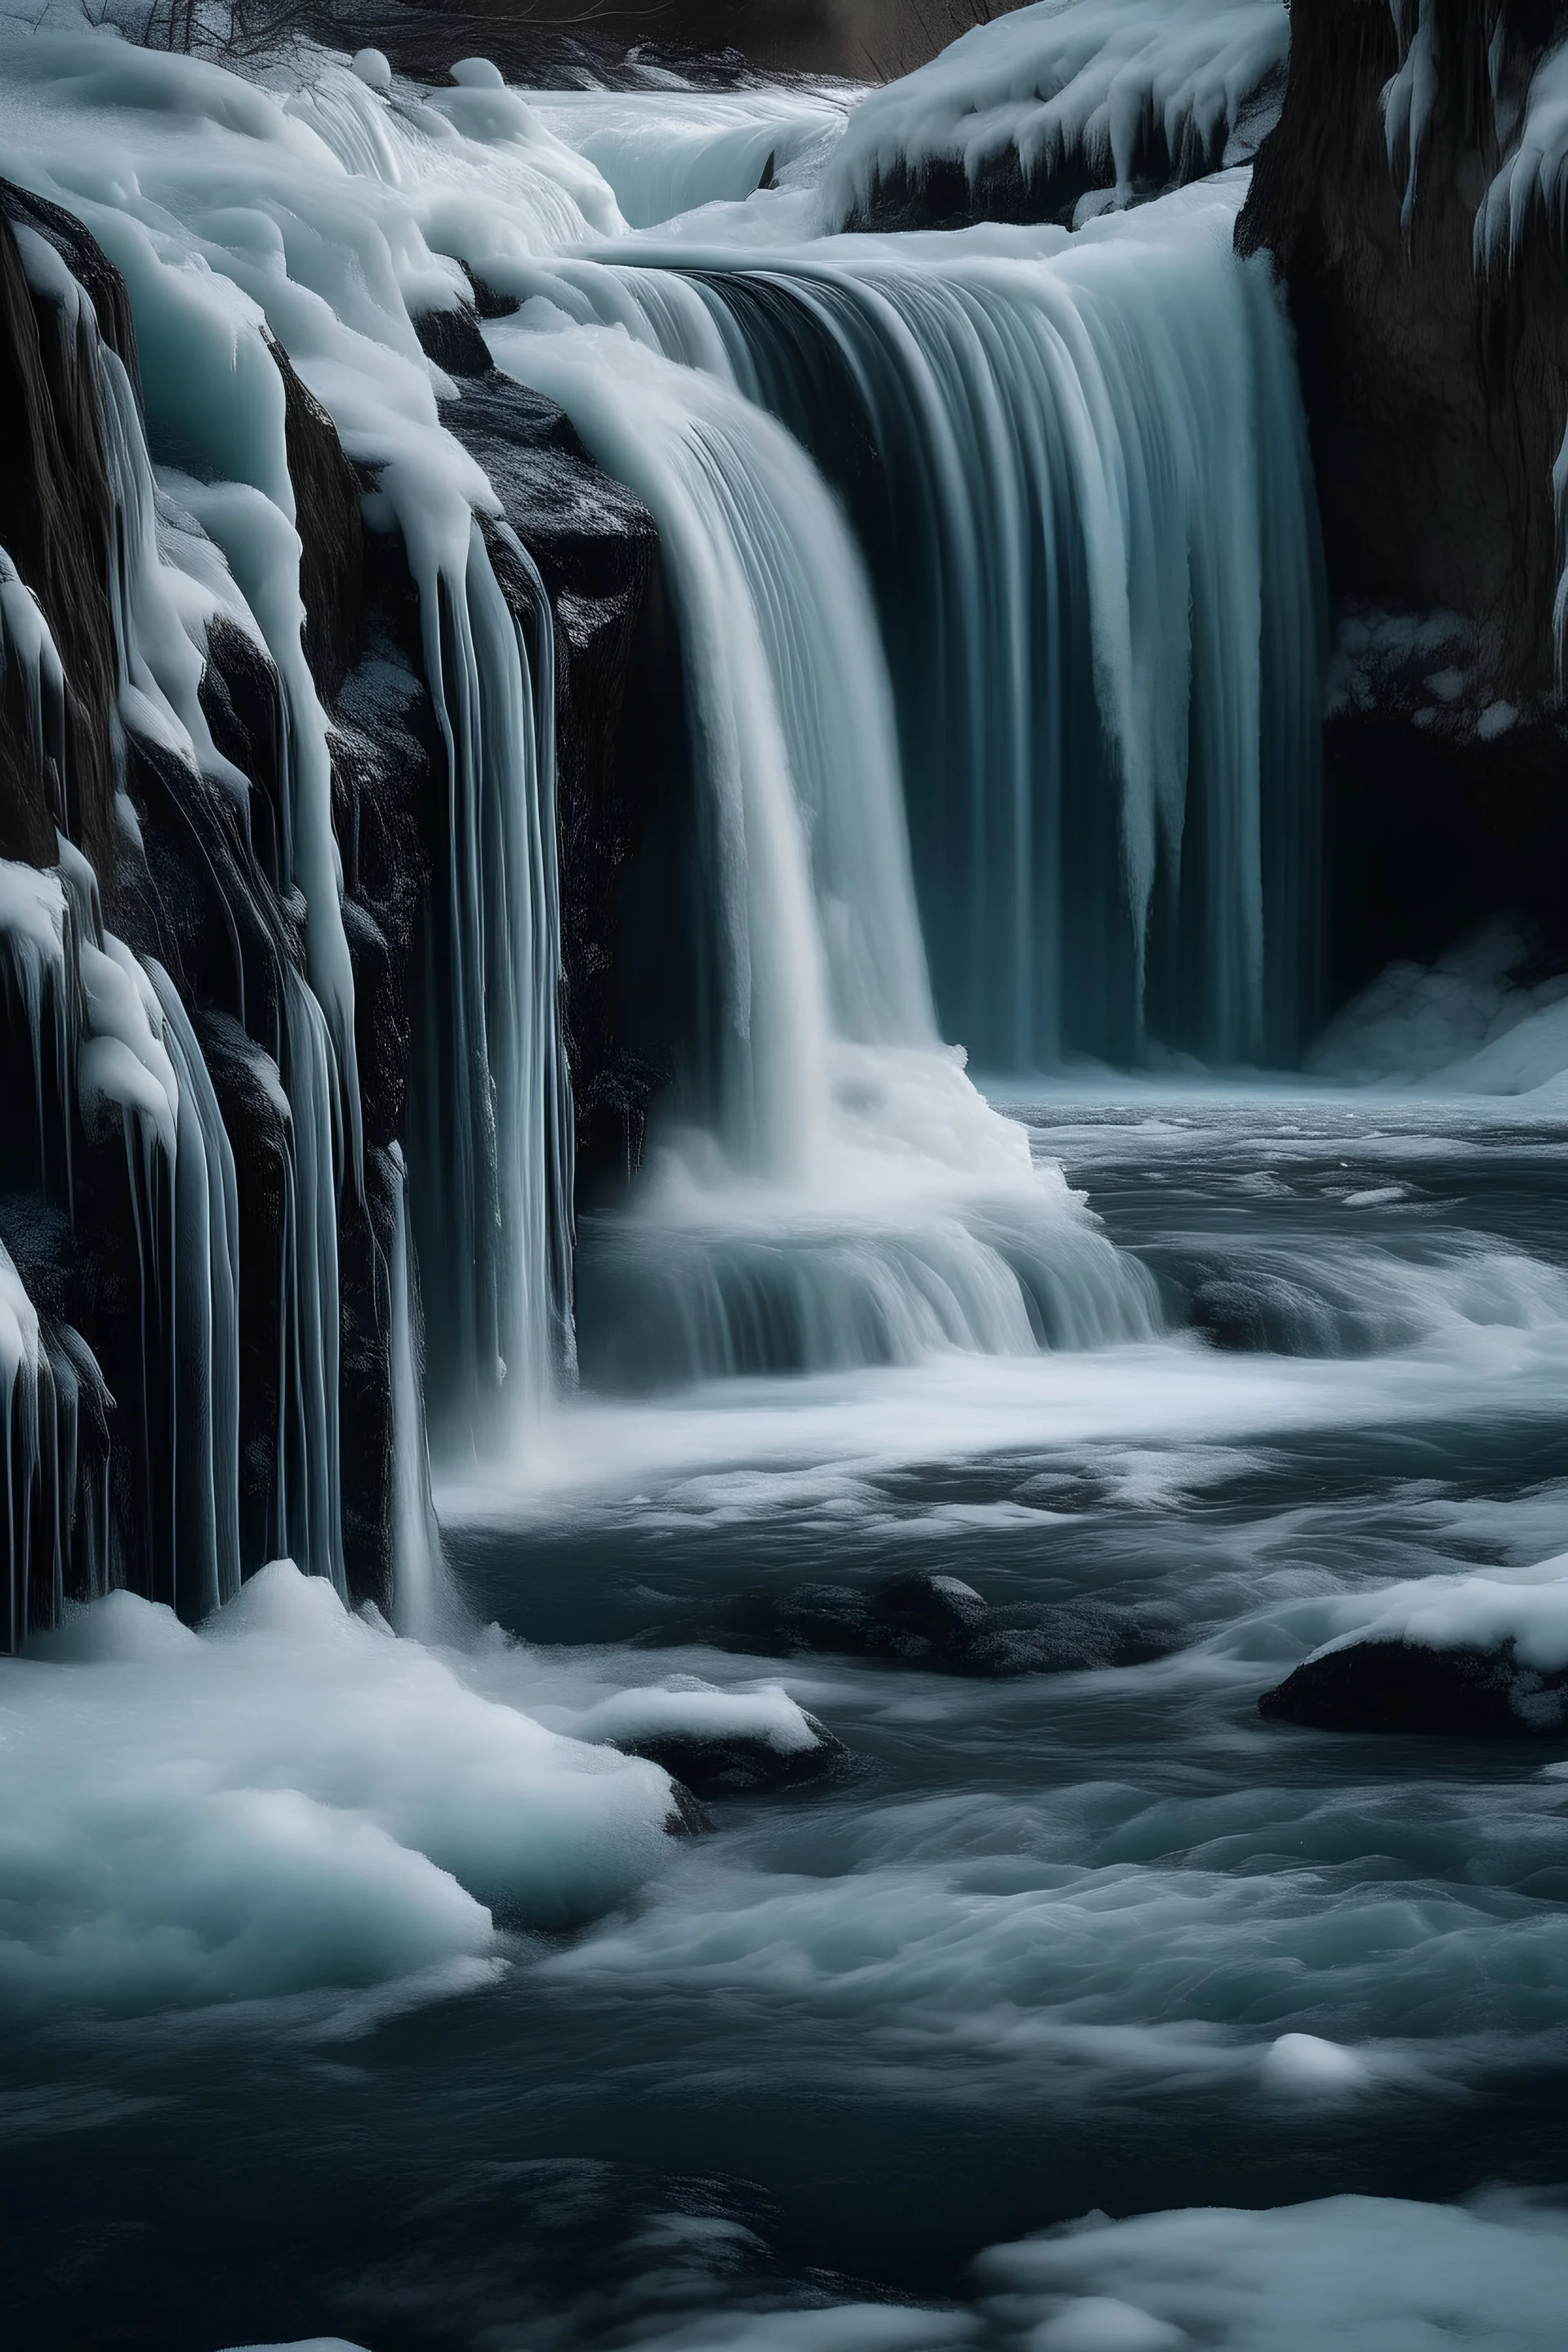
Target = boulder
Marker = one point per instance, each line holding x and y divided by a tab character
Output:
1395	1685
740	1764
941	1623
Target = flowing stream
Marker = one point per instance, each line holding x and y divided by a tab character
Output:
1099	1940
389	1986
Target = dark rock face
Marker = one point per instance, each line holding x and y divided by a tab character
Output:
57	526
942	1624
1389	1685
1433	375
739	1766
1433	386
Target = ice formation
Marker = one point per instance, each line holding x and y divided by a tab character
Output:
1098	94
289	1798
1364	2272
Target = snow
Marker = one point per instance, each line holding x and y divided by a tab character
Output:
1073	84
1361	2273
1462	1024
1528	1607
290	1798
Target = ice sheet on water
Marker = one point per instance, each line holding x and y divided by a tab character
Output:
587	1695
1070	82
290	1798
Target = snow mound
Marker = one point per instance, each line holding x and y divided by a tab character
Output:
1363	2274
292	1798
1526	1606
1105	92
1467	1023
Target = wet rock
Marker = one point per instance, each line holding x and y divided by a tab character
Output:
687	1816
452	339
1263	1314
1069	1637
740	1764
1394	1685
941	1623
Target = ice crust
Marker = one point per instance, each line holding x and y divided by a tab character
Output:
1071	83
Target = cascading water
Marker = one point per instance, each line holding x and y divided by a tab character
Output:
491	1148
847	1196
978	636
1077	468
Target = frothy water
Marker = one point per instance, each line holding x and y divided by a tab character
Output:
1101	1938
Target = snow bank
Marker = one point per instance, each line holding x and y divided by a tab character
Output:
1362	2274
1106	90
1357	2273
1526	1606
1462	1024
290	1798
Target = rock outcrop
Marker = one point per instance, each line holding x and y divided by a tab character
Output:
1410	212
942	1624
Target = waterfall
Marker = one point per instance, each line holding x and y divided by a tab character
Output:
992	570
1077	470
800	832
835	1192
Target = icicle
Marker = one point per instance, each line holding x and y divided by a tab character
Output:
37	975
28	649
493	1162
206	1324
422	1600
308	1501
